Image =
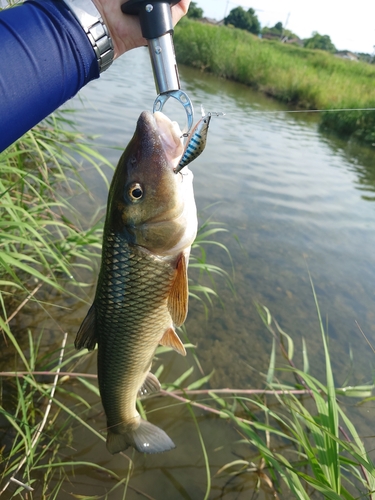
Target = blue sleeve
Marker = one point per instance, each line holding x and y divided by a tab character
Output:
45	59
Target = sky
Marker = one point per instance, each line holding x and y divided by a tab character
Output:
351	25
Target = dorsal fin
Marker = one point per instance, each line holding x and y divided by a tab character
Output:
171	339
179	295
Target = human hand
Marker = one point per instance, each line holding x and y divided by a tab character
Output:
125	30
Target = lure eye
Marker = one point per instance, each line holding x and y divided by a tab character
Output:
135	192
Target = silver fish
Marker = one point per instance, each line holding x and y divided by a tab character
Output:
142	291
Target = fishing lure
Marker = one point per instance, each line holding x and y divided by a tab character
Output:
196	141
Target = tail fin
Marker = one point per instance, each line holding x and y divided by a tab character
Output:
147	438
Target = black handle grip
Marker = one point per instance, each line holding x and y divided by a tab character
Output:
155	16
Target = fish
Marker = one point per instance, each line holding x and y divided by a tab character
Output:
142	289
196	140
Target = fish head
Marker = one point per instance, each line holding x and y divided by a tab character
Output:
148	202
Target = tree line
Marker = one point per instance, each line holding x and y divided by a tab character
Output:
248	20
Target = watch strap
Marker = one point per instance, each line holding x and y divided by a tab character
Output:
97	32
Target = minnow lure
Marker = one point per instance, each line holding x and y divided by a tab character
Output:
196	141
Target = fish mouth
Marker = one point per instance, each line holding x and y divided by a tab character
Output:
162	229
161	129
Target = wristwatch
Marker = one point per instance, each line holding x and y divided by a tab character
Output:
97	32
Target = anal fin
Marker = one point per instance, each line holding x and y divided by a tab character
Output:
171	339
151	385
86	335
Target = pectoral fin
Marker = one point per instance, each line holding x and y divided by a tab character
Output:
179	295
149	386
171	339
86	336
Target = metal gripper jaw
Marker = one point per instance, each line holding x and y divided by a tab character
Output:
157	27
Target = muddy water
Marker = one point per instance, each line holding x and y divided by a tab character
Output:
292	200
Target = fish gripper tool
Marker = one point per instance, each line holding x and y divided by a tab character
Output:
157	27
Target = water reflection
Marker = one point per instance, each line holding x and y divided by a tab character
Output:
361	161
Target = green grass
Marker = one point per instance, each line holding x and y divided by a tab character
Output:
308	79
323	454
45	248
43	239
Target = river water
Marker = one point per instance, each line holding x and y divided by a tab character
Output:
293	200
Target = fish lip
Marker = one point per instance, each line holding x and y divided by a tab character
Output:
145	120
163	133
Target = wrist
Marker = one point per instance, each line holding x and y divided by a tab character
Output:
96	30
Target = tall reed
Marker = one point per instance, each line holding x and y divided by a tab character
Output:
43	237
45	245
308	79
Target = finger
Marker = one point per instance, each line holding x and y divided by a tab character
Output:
180	10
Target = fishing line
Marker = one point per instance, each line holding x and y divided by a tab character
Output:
253	112
316	110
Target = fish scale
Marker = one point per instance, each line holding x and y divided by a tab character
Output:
135	318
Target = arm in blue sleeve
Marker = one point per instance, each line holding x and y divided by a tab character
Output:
45	59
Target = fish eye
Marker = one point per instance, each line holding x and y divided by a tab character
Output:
135	192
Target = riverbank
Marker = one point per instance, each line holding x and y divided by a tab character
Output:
307	79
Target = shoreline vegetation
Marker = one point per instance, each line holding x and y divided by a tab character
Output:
307	79
297	439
